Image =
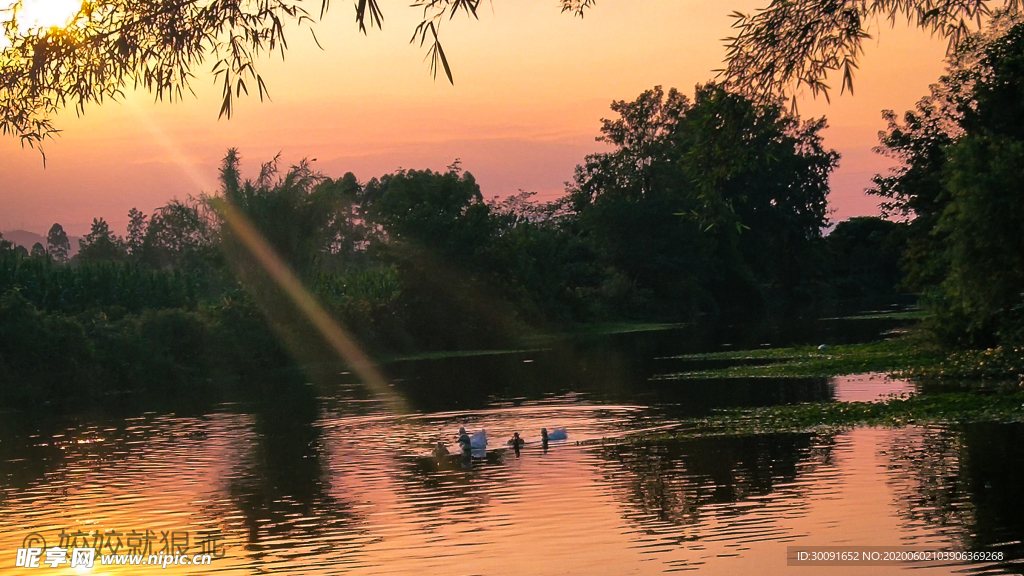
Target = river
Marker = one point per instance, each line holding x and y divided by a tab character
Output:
304	478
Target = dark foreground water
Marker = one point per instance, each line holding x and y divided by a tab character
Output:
318	479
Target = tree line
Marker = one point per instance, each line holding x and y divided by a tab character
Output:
704	209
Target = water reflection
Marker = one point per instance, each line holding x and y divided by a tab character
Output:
281	485
965	483
321	480
869	387
300	489
673	480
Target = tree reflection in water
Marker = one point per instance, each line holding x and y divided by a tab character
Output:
672	481
965	479
282	487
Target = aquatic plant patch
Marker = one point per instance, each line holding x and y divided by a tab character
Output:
958	407
895	355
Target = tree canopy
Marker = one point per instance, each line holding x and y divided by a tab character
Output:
720	198
100	244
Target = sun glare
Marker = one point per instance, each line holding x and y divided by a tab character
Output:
38	14
45	13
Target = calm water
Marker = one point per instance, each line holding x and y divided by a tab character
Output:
317	479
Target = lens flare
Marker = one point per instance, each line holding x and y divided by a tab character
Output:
338	339
332	332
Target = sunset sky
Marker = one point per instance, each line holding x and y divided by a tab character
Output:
531	86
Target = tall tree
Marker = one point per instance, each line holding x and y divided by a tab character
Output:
442	212
722	196
304	215
865	253
38	251
985	284
137	222
914	190
181	235
100	244
58	243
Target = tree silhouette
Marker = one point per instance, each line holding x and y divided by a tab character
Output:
719	199
58	243
440	211
38	251
136	233
865	253
100	244
180	236
984	288
302	214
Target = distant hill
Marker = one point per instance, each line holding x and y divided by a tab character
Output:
28	239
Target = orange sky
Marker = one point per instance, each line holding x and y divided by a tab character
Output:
530	88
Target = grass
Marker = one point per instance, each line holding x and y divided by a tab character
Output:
906	315
901	354
623	328
442	354
583	331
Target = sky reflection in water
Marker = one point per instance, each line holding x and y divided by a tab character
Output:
298	483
